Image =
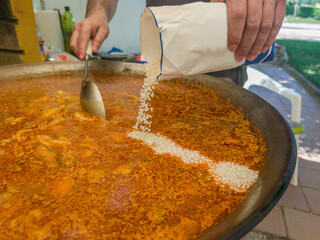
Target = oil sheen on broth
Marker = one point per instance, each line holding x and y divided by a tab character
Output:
67	174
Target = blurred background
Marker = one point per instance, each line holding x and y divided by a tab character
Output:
34	29
125	25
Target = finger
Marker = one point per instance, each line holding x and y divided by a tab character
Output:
101	35
264	30
74	40
251	28
279	13
83	39
236	10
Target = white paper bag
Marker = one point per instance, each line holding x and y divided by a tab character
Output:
189	39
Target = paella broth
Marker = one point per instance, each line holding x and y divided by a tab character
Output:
67	174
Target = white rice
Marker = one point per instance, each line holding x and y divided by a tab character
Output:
163	145
237	177
144	119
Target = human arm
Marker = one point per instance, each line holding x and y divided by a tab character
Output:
94	26
253	25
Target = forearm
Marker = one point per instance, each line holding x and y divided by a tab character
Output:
104	7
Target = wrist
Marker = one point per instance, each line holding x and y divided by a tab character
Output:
99	13
103	8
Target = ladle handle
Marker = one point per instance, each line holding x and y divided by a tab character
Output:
89	48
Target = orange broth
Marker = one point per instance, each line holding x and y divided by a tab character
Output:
65	174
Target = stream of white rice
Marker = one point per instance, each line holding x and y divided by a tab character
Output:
238	177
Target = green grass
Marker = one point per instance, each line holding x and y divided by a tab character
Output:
290	19
304	56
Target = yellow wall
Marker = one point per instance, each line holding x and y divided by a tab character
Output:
26	30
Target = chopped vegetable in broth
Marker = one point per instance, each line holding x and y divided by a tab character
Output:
66	174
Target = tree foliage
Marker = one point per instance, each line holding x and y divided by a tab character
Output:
304	2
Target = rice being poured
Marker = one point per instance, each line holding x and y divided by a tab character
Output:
236	176
144	119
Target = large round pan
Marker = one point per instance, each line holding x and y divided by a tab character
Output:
279	162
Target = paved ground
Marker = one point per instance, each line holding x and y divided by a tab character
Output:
297	215
301	31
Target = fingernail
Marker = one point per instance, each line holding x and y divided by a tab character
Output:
81	56
264	49
251	57
239	58
233	47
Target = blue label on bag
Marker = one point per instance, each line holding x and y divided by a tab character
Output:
262	57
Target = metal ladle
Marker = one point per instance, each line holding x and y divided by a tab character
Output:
90	97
